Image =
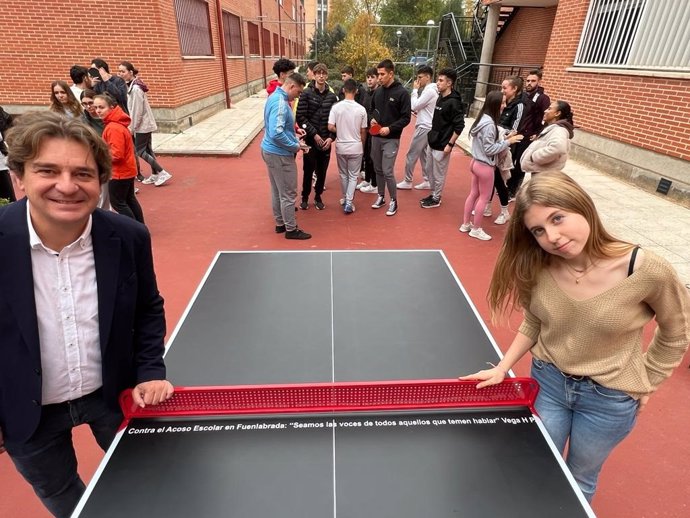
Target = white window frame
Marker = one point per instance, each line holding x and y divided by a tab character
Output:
636	35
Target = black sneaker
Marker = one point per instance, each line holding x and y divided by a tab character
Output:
392	208
297	234
280	229
380	202
431	203
304	205
428	198
318	204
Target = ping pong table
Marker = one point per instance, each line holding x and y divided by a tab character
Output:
308	320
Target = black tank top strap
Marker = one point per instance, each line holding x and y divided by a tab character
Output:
631	266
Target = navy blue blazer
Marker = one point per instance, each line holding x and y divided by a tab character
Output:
130	314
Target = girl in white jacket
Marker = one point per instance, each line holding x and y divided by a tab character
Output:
143	123
549	151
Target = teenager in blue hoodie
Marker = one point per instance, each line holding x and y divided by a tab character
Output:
278	149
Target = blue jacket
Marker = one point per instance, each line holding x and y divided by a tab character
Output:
279	126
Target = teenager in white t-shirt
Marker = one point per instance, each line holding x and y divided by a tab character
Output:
348	120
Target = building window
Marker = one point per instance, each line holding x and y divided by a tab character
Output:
193	27
253	37
266	42
636	34
233	34
276	45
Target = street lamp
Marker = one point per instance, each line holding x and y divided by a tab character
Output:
431	24
398	33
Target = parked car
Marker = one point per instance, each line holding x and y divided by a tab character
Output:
419	60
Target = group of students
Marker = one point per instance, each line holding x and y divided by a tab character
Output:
117	107
518	130
514	133
365	124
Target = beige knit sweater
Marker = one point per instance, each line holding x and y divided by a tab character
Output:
601	337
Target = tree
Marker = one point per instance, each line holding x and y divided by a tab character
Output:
362	45
324	43
343	13
411	12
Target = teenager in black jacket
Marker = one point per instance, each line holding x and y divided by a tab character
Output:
312	116
513	118
391	112
446	126
369	183
535	102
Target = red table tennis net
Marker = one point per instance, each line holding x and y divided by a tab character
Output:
336	397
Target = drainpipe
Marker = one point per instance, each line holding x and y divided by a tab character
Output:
487	50
281	48
261	29
223	54
246	68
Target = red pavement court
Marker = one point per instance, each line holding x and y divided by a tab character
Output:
223	204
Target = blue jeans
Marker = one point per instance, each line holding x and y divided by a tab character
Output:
47	460
594	418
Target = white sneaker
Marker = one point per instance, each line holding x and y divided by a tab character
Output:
362	184
487	210
404	185
369	189
478	233
502	218
465	227
163	177
150	179
423	185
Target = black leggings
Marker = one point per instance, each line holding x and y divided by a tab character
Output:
500	188
516	177
144	149
123	200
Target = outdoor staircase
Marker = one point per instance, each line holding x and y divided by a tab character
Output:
460	45
505	16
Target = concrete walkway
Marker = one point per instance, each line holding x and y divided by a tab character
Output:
628	212
227	132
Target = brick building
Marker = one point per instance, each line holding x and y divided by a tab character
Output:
197	56
624	66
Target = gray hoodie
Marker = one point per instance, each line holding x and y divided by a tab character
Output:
485	145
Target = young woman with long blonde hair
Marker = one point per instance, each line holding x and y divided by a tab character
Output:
586	298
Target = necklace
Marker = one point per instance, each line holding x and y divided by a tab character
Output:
574	271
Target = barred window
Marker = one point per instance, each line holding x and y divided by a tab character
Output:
193	27
266	42
636	34
232	33
253	37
